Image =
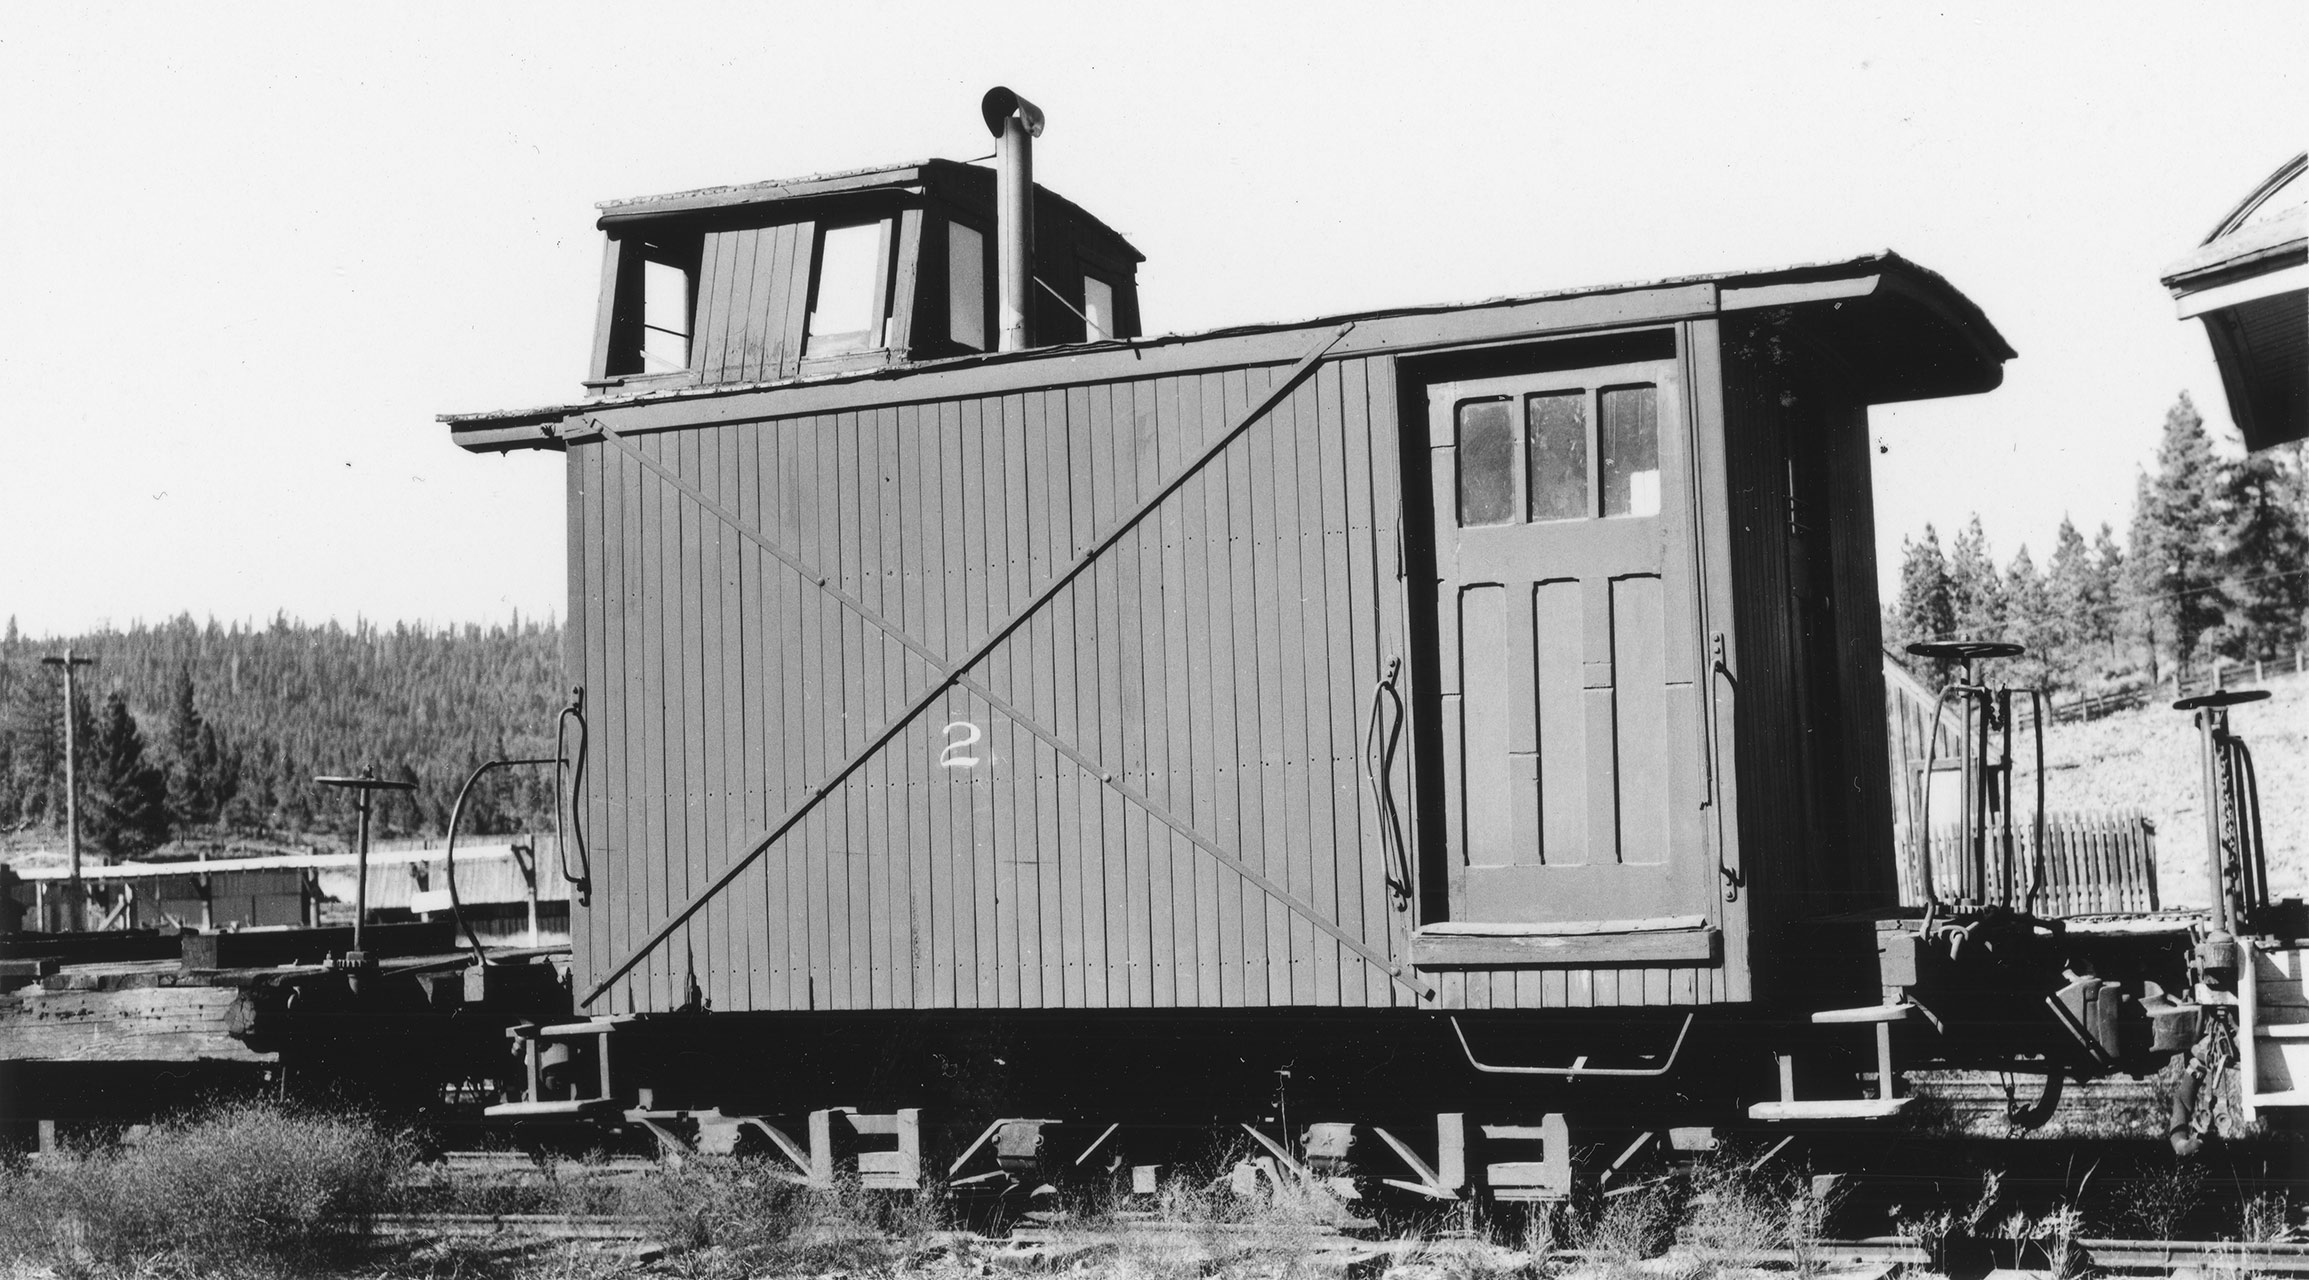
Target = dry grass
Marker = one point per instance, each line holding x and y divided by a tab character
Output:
729	1218
1223	1217
2146	759
246	1189
253	1191
2158	1197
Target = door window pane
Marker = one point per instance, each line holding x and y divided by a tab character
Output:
1486	463
1630	449
966	286
846	313
1555	429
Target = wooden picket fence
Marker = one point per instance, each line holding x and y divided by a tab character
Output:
2095	864
2221	675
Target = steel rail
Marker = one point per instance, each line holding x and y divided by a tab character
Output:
952	674
536	1226
2139	1256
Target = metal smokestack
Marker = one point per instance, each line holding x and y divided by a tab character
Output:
1017	123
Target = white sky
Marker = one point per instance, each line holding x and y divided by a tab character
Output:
249	252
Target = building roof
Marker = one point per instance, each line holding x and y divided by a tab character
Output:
486	872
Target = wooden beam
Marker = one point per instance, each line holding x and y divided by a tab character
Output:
1430	950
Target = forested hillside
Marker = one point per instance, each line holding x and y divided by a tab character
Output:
192	729
2214	568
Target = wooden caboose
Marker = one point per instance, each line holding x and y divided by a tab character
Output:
1515	654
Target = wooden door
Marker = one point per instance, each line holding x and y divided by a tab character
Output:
1570	721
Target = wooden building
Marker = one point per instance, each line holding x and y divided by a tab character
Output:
1518	654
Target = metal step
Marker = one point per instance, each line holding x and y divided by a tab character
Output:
566	1107
1867	1013
1830	1109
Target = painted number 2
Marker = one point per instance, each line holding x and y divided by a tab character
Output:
961	735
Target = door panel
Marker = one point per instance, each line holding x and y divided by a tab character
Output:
1564	609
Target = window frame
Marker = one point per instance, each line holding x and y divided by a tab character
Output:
625	339
1093	332
876	336
1591	384
986	272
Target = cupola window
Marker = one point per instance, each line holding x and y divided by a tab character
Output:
849	299
1097	309
966	286
657	292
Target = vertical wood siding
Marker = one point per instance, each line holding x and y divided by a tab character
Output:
1868	866
1815	815
1219	658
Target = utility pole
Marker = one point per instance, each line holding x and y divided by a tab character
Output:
71	662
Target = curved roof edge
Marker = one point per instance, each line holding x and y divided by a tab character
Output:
2270	185
2251	239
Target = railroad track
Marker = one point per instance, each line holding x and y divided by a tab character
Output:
521	1226
1045	1246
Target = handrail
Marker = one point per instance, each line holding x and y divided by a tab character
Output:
449	855
1930	892
1659	1070
1378	770
565	799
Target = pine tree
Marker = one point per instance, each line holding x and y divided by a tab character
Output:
125	796
2031	622
189	804
34	725
1923	611
2264	561
2175	562
219	769
1975	590
2105	594
2068	585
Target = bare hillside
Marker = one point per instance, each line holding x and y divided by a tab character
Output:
2147	759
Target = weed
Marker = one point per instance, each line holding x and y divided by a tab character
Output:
2266	1218
733	1217
1940	1232
1627	1228
2159	1197
2058	1232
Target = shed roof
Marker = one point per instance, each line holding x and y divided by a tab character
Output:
1909	334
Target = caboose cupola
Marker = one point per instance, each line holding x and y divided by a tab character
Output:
845	272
